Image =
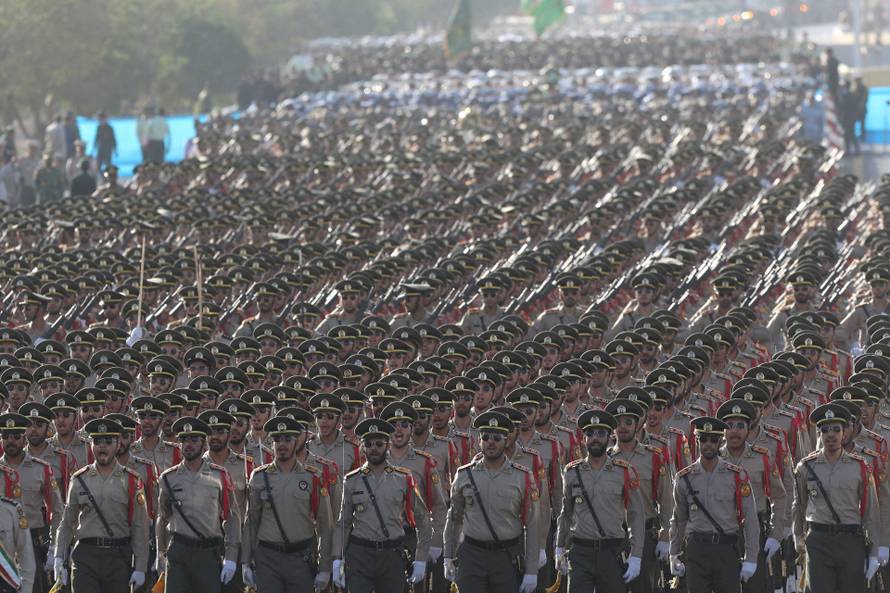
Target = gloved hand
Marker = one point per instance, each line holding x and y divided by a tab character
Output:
529	583
542	558
771	546
663	551
227	572
678	569
136	334
137	579
50	560
339	575
160	563
321	581
791	584
633	569
883	555
59	572
450	572
748	570
247	575
434	554
786	533
562	561
871	568
418	571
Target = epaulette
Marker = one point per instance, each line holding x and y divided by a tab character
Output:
785	413
324	461
870	452
218	468
350	439
356	471
311	469
424	454
684	471
262	468
548	437
884	427
440	438
660	439
621	463
131	471
733	467
722	376
738	364
676	430
812	455
40	461
86	467
872	434
574	463
687	414
521	468
243	456
143	461
760	449
400	469
857	457
652	448
565	429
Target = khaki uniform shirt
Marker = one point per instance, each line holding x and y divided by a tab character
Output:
300	497
429	484
614	492
148	473
769	493
511	499
844	484
79	447
531	459
774	442
343	451
37	487
549	448
61	461
396	496
446	456
655	483
553	317
205	497
477	321
239	467
16	540
719	491
112	495
162	455
336	319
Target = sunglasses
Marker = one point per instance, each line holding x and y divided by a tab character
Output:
658	407
378	444
627	421
741	425
709	438
15	436
283	438
831	428
497	438
596	432
193	438
402	423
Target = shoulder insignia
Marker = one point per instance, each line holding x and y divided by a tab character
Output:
424	454
548	437
620	462
722	376
351	440
262	468
785	413
243	456
857	457
659	438
733	467
760	449
82	470
676	430
401	470
652	448
812	455
218	468
870	452
131	471
440	438
872	434
685	470
574	463
521	468
39	460
311	469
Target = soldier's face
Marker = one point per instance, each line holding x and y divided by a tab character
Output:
462	403
350	416
422	423
483	396
833	435
238	430
596	440
218	439
288	445
192	447
802	293
492	444
644	295
349	302
36	433
441	416
13	442
569	296
737	433
375	449
104	450
64	422
627	428
879	289
529	414
709	445
327	423
543	415
150	424
401	436
123	443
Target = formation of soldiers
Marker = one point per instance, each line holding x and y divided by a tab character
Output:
577	329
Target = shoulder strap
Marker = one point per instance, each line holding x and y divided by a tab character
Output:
596	519
693	493
268	488
96	507
376	506
481	506
834	515
177	505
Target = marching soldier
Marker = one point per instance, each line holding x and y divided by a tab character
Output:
378	500
150	411
15	543
494	505
567	312
329	441
288	527
105	515
835	509
198	522
713	507
67	438
347	312
477	321
36	488
61	461
601	494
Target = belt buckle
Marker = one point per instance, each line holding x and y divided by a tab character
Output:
378	545
715	538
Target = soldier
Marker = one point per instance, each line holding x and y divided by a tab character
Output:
106	515
37	489
476	321
15	541
265	294
378	500
766	484
151	411
329	441
654	476
443	450
494	506
288	515
713	503
835	509
854	323
646	286
805	286
147	471
62	461
64	407
347	312
195	497
414	299
567	312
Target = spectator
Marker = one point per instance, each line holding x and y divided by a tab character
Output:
157	137
860	95
848	109
27	166
54	138
10	180
141	126
832	78
9	142
49	180
85	183
105	142
812	115
72	166
72	134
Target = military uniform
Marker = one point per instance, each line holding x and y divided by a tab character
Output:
288	527
344	451
107	519
16	540
476	321
486	561
163	455
62	463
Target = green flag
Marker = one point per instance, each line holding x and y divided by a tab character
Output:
545	12
459	37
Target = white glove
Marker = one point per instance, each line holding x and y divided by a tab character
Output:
160	564
871	568
247	575
562	561
663	551
883	555
339	575
418	571
50	560
59	572
450	572
321	581
227	572
748	570
136	334
786	533
633	569
434	554
137	579
678	569
529	583
771	546
791	584
542	558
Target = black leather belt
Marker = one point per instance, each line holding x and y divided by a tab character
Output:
105	542
387	544
653	523
835	529
598	544
192	542
713	538
492	545
294	548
